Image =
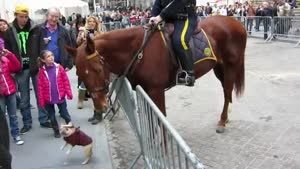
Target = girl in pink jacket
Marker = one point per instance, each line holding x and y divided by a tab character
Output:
53	87
9	64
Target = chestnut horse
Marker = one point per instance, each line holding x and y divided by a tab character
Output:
95	78
156	71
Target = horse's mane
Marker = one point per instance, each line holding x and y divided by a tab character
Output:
119	34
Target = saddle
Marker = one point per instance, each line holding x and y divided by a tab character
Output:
199	45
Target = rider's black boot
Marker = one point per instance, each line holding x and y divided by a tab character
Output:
188	66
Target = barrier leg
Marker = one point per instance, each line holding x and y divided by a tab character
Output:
297	44
135	160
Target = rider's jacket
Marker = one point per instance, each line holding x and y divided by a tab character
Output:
173	9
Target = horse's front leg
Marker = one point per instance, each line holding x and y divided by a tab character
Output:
158	97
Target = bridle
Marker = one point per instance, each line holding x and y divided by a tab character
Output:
99	89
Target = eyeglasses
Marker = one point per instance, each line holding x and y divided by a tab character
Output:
54	16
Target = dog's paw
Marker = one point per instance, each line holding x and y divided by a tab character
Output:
85	161
68	152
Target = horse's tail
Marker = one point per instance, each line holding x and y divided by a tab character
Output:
239	83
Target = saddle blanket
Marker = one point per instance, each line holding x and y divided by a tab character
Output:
201	47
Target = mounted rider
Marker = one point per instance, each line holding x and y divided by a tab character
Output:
182	14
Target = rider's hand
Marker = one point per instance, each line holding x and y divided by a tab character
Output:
156	19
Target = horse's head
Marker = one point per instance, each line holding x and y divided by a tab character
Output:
90	69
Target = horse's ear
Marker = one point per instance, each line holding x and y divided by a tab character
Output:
71	51
90	45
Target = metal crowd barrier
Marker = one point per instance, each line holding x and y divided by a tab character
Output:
266	27
259	26
161	145
287	28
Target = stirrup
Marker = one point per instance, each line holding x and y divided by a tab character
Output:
188	80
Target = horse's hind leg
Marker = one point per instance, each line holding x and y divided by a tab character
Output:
226	76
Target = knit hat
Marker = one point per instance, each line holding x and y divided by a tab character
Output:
22	9
3	20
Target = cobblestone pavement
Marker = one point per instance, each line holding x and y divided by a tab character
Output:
264	127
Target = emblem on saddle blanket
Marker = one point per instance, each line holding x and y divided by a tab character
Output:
201	47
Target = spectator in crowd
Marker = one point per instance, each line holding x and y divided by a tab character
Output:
17	40
266	11
3	26
117	18
293	6
63	20
215	10
52	36
200	11
107	19
208	10
9	64
53	87
230	10
72	19
133	18
91	29
75	30
125	20
283	10
259	14
250	14
223	10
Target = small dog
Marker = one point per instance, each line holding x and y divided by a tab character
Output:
74	136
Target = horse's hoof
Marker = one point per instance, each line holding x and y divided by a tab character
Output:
220	129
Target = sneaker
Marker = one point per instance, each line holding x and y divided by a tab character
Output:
18	140
24	130
57	134
46	125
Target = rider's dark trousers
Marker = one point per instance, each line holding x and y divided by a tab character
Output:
183	30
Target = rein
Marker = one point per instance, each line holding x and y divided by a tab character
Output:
139	54
135	59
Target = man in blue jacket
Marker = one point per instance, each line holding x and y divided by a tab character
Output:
183	14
